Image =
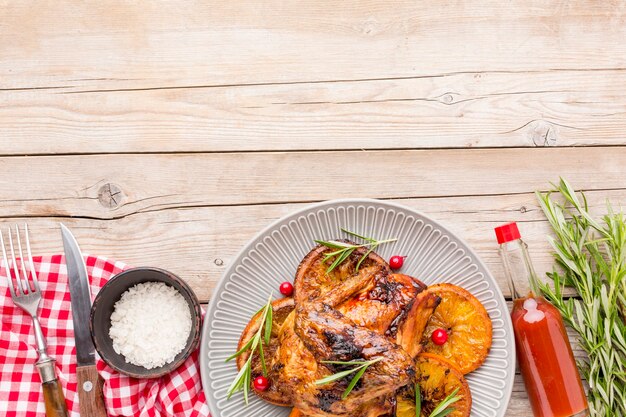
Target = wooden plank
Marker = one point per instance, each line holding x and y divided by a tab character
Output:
199	243
483	109
192	213
119	44
80	185
519	406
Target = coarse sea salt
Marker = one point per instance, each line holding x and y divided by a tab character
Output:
150	324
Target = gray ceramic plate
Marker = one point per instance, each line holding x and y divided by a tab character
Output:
434	254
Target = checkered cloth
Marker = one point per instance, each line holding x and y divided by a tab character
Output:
178	394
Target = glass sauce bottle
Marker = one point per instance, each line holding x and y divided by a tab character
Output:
544	353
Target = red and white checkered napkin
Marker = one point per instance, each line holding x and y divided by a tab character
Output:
178	394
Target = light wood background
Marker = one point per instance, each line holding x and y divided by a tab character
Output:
169	133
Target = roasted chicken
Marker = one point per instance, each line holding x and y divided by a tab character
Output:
346	315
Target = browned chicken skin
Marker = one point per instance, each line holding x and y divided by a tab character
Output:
349	315
331	336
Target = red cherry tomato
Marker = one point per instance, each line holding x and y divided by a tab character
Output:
261	383
286	288
439	336
396	261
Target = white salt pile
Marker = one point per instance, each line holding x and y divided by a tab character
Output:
150	324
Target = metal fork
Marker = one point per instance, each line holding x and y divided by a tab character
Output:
28	297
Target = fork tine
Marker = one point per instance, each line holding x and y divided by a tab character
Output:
15	268
30	258
26	282
5	260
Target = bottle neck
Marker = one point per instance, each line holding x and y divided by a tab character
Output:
518	267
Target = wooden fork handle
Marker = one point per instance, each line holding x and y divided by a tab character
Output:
52	392
54	399
90	396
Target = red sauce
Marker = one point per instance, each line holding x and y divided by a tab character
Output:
546	360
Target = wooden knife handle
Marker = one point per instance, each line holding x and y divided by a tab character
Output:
90	398
52	393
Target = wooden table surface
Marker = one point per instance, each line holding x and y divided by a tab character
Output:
169	133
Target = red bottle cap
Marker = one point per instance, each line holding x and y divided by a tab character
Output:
507	232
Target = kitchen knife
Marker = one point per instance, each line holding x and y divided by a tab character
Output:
90	399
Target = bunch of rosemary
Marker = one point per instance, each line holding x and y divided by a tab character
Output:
591	255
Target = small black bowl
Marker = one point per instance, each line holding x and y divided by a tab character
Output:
103	308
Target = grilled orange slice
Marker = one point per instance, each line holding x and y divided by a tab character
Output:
437	378
277	393
405	406
468	326
296	413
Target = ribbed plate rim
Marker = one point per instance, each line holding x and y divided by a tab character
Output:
332	203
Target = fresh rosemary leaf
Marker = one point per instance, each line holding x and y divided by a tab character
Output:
333	244
239	352
255	344
336	377
239	379
357	235
343	250
246	382
442	408
360	370
364	257
256	339
262	358
353	382
348	363
357	362
340	258
445	412
418	401
269	316
330	255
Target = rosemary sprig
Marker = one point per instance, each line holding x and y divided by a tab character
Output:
243	378
442	409
591	256
344	250
360	368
